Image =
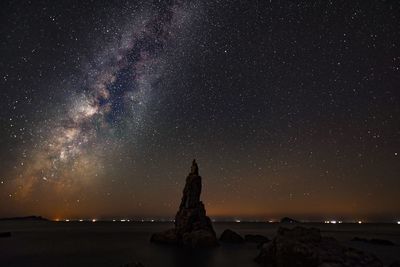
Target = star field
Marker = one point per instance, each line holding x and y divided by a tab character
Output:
289	108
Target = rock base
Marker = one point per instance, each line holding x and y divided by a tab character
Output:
306	247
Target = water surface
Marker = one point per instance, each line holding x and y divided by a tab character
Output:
40	243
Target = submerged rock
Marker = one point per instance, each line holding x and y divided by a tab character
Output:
306	247
192	226
256	239
229	236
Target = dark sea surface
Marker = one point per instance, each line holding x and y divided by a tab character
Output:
41	243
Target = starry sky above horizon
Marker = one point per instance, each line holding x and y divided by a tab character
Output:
289	108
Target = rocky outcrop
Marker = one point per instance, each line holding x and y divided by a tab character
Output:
306	247
229	236
256	239
192	226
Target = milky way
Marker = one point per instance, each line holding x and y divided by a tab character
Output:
113	98
290	109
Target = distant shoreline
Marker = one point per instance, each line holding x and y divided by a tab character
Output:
25	218
40	218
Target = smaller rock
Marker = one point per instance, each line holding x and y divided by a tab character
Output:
229	236
306	247
5	234
260	239
288	220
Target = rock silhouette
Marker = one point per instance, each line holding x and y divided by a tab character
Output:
229	236
306	247
192	227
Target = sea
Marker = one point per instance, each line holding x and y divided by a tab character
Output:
114	244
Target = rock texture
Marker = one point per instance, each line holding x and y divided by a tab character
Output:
192	226
306	247
229	236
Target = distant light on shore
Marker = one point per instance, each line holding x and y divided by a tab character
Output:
81	220
238	221
67	220
94	220
398	222
333	222
359	222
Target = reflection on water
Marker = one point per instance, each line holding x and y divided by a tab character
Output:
118	243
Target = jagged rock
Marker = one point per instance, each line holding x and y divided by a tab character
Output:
5	234
374	241
256	239
288	220
192	226
306	247
229	236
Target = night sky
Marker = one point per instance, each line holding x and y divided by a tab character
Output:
290	108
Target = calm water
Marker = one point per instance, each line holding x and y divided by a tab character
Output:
115	243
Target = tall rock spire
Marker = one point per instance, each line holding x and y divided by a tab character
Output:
194	170
192	190
192	226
